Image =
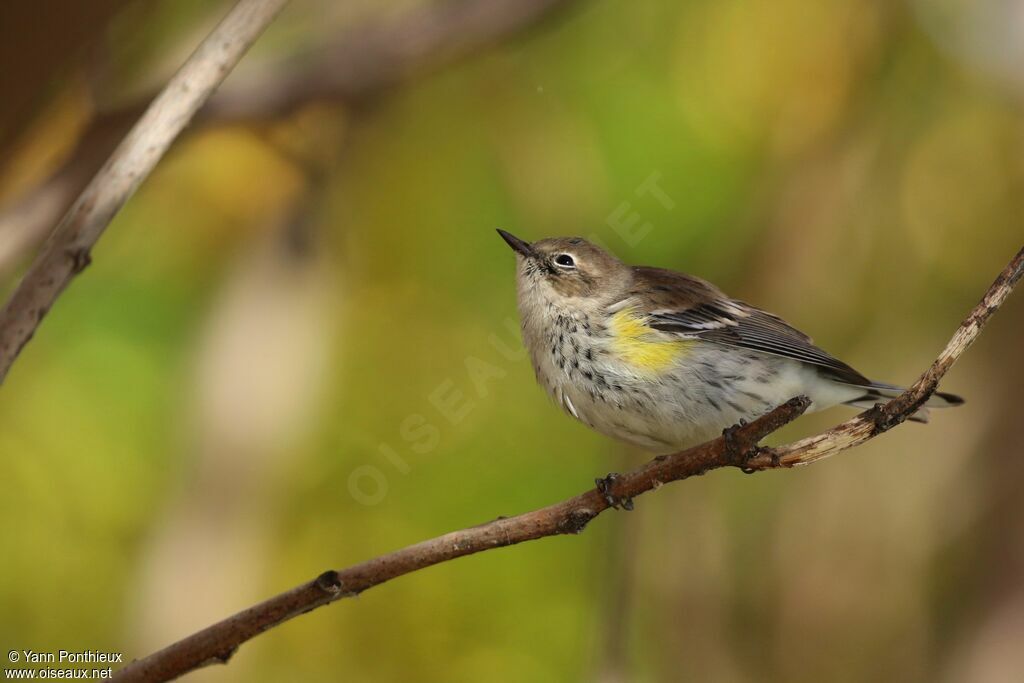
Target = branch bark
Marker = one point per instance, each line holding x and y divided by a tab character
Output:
884	417
68	251
354	67
738	447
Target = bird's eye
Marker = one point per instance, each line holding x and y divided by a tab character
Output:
565	261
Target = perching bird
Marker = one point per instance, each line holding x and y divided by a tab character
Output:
664	360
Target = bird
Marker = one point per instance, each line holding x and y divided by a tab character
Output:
662	360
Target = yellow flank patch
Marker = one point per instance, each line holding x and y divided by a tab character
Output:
637	345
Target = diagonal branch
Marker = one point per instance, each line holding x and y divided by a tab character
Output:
218	643
736	448
369	59
884	417
67	252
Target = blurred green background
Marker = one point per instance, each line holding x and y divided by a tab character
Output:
293	350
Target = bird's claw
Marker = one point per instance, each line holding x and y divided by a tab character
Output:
737	453
604	487
745	468
757	452
729	434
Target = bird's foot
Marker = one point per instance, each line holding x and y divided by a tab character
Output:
737	453
604	487
731	444
755	453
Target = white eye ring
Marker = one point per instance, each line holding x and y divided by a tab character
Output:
565	261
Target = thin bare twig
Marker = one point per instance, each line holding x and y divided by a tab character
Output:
68	251
884	417
352	68
737	448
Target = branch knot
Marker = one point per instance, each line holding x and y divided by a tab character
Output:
329	582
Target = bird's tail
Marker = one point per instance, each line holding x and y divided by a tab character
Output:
878	392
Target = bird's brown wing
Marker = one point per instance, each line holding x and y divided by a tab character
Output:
690	306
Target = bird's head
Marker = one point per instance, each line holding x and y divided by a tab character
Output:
567	268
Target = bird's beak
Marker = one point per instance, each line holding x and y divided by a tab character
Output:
517	244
